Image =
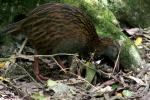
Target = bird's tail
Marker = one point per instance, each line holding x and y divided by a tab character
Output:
14	28
10	29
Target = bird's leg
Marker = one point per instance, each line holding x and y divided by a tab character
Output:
36	70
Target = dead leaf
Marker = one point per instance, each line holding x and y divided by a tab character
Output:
134	31
2	65
138	41
139	81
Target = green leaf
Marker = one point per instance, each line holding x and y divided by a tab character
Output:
127	93
114	86
51	83
90	71
37	96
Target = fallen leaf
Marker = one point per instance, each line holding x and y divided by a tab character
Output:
38	96
127	93
2	64
119	94
90	71
114	86
134	31
138	41
3	79
51	83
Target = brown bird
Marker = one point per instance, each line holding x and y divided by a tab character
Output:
60	28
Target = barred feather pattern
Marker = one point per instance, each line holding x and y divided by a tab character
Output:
60	28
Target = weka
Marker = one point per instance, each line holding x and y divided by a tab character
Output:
60	28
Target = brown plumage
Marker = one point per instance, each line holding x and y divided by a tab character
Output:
59	28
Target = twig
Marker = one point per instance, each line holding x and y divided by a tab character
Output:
12	58
31	57
143	71
79	77
4	59
112	76
117	60
58	54
20	93
106	96
147	85
29	76
27	57
59	65
22	46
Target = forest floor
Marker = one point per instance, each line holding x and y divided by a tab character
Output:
18	80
